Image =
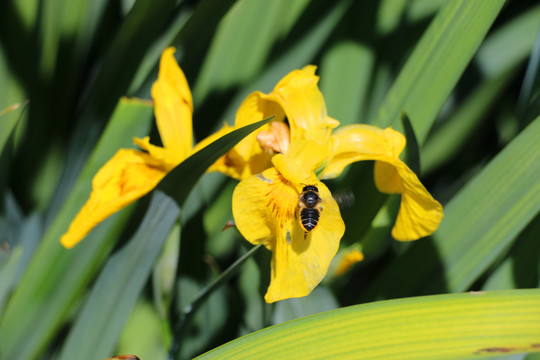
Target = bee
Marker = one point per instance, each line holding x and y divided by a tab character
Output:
309	206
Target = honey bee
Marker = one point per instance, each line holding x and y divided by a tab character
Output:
309	207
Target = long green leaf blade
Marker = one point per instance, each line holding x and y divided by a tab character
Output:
200	161
55	275
452	326
119	285
437	62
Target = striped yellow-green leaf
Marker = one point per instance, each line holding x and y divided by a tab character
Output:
454	326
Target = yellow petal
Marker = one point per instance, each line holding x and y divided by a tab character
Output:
265	209
299	266
303	102
362	142
173	107
300	162
247	157
419	214
126	177
296	97
347	261
165	158
250	206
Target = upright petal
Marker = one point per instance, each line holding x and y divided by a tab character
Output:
296	98
173	107
126	177
248	157
303	102
420	214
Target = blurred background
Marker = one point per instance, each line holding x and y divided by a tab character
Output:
66	65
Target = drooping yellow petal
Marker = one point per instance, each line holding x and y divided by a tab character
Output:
173	107
126	177
420	214
265	209
299	265
362	142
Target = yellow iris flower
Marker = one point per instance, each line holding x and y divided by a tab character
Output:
130	173
275	163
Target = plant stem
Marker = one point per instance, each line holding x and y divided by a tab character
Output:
189	310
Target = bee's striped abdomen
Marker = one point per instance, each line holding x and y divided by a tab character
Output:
310	218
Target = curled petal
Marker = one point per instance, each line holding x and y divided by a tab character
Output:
420	214
362	142
173	107
265	209
126	177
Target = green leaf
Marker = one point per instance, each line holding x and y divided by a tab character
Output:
208	321
529	97
135	261
119	285
164	273
346	72
226	64
321	299
189	171
452	326
479	225
499	59
520	268
447	139
302	52
12	98
57	276
142	334
436	64
412	155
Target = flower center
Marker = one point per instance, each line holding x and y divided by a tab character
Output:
276	139
282	202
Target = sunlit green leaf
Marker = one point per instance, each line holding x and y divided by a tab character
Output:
452	326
